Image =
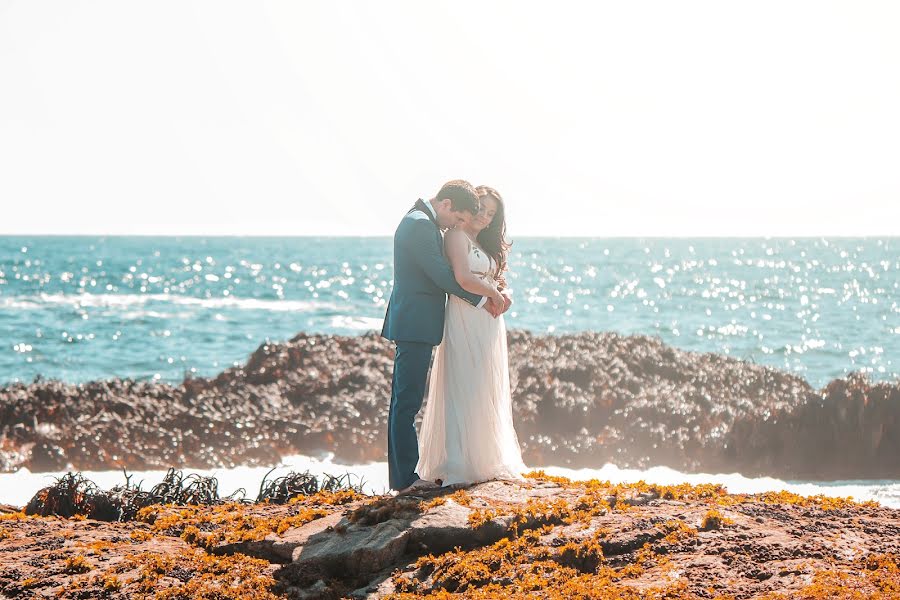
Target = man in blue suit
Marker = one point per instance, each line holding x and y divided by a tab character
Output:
415	317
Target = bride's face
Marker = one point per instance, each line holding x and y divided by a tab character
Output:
486	213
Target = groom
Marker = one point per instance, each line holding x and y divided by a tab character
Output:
415	317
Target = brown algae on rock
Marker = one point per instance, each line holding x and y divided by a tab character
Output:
547	537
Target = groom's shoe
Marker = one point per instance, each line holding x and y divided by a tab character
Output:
419	485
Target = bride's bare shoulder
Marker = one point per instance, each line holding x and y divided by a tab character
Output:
456	237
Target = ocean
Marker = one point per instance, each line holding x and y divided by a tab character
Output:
83	308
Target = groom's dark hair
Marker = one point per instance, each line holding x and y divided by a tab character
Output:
461	194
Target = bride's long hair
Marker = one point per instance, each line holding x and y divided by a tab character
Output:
493	237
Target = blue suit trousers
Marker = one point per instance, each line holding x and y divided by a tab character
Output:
407	394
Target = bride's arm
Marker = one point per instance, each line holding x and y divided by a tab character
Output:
456	247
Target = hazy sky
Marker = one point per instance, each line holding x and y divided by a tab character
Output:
299	118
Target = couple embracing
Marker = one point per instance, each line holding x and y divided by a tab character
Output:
467	433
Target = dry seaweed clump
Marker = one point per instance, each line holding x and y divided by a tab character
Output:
68	496
78	564
294	485
532	513
234	522
541	475
818	501
73	496
713	493
677	530
190	574
681	491
535	512
714	519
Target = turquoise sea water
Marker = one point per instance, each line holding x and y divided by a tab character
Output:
81	308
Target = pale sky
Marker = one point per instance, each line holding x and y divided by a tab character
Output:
591	118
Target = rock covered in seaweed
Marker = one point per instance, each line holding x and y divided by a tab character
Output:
580	400
546	537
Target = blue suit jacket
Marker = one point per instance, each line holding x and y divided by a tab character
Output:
422	280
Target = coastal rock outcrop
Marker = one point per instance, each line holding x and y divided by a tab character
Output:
580	400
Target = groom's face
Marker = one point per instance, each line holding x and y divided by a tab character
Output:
447	218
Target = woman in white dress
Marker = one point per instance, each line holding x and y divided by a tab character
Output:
467	433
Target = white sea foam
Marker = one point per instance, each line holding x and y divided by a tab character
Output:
148	314
357	323
128	300
17	488
886	492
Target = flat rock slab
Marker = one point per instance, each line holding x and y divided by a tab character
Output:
353	555
447	526
364	548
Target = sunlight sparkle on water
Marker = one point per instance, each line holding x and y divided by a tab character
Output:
816	307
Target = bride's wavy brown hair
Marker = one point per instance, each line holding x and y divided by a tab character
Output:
493	237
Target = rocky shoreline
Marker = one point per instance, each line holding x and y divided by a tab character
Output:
580	400
544	537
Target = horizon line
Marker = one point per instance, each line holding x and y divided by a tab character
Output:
388	236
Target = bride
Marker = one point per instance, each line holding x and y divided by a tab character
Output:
467	431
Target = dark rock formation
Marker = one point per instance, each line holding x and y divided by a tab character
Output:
580	400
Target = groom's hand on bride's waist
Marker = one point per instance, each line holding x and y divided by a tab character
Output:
493	307
507	301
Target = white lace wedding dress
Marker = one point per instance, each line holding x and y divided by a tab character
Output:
467	433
